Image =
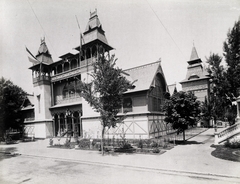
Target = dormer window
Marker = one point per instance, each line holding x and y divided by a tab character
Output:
193	76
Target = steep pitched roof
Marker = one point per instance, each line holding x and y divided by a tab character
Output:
94	21
43	54
172	88
195	70
194	54
143	75
94	30
28	103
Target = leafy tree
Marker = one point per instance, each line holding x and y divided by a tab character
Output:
219	100
231	48
182	110
206	107
11	99
105	92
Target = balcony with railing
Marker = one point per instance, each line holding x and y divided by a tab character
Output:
66	100
29	119
41	78
74	71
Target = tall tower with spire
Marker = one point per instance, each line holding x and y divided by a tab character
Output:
42	91
197	78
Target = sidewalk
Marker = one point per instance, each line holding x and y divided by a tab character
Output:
192	158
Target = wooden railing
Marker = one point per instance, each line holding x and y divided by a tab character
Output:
68	100
42	77
227	133
74	71
29	119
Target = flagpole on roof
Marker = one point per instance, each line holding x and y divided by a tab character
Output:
40	72
36	61
80	47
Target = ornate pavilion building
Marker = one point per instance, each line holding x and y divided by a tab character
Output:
57	105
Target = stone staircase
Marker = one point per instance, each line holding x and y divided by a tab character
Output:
227	133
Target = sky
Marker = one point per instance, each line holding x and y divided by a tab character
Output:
140	31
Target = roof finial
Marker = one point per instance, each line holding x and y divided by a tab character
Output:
43	40
94	13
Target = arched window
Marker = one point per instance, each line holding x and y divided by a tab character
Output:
53	71
101	49
62	123
66	66
71	89
88	53
59	69
56	124
77	128
94	51
156	95
73	64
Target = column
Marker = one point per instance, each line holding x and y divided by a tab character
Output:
238	114
54	127
91	55
73	127
66	126
59	127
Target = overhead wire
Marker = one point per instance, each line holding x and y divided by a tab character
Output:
165	28
41	27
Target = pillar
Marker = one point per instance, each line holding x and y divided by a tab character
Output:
73	127
66	125
59	127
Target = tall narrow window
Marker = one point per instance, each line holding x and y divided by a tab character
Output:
39	105
156	95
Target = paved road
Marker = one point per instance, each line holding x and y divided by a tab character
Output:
38	170
192	162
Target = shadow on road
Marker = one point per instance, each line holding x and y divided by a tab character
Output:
187	142
6	153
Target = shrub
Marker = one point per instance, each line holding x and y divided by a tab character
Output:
156	150
67	144
51	142
233	143
84	143
154	144
140	144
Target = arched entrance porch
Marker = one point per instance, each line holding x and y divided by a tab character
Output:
67	122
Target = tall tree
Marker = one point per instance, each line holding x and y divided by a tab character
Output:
231	48
105	92
219	101
182	110
11	99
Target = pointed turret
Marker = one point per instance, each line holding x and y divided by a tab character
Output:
194	54
94	30
94	33
197	79
43	54
194	57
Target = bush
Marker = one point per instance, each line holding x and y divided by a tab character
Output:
51	142
154	144
156	150
84	143
140	144
233	143
67	144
